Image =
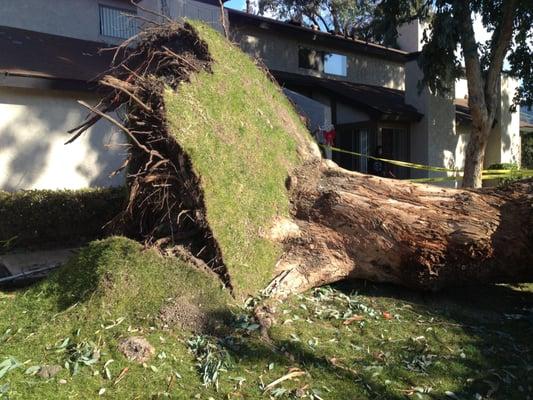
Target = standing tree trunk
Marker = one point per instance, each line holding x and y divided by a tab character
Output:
484	96
475	157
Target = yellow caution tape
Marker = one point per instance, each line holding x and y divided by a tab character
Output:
487	174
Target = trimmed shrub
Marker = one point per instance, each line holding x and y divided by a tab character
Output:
499	166
527	150
50	218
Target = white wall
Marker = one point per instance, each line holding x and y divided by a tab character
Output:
33	130
349	115
504	145
317	113
509	123
410	36
461	89
434	140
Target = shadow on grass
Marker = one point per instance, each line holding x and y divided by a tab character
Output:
498	321
490	323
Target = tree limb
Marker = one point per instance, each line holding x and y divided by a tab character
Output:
501	40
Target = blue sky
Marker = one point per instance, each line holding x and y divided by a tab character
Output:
236	4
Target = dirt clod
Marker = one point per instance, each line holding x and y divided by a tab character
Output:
136	349
49	371
184	314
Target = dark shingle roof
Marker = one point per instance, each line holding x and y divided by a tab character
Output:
380	102
239	18
40	55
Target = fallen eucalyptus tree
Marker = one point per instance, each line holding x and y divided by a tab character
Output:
337	225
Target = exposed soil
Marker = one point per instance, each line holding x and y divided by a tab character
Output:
185	314
136	349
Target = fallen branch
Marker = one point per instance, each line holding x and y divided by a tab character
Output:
289	376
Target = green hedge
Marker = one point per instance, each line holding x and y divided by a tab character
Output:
49	218
500	166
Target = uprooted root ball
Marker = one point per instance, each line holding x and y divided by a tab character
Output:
166	205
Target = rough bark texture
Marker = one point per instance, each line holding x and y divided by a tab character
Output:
355	226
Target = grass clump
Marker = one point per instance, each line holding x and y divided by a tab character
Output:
74	320
237	127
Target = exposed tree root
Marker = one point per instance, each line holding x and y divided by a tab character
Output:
166	206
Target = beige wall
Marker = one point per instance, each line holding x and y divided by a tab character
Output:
80	18
410	36
33	130
504	145
434	140
281	53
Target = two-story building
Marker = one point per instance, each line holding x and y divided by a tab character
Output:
50	57
372	97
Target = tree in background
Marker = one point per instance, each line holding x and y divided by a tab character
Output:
450	28
350	18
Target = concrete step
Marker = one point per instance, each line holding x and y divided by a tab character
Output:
19	267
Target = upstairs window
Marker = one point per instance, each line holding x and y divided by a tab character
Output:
117	22
321	61
335	64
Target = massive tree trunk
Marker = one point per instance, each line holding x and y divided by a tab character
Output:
342	225
349	225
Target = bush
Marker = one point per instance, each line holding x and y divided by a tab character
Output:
48	218
500	166
527	150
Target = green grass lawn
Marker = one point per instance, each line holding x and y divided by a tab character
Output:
363	341
240	132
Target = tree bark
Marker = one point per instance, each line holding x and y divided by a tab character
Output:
343	225
475	157
353	226
484	95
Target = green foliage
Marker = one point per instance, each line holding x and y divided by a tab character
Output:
527	150
343	16
363	341
500	166
239	131
439	60
76	318
211	358
37	218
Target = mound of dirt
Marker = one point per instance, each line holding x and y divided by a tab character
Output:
136	349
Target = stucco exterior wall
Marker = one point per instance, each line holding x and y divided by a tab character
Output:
509	123
349	115
80	18
434	140
33	130
410	36
317	113
281	53
504	144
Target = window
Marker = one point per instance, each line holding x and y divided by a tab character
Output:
321	61
335	64
311	59
117	23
